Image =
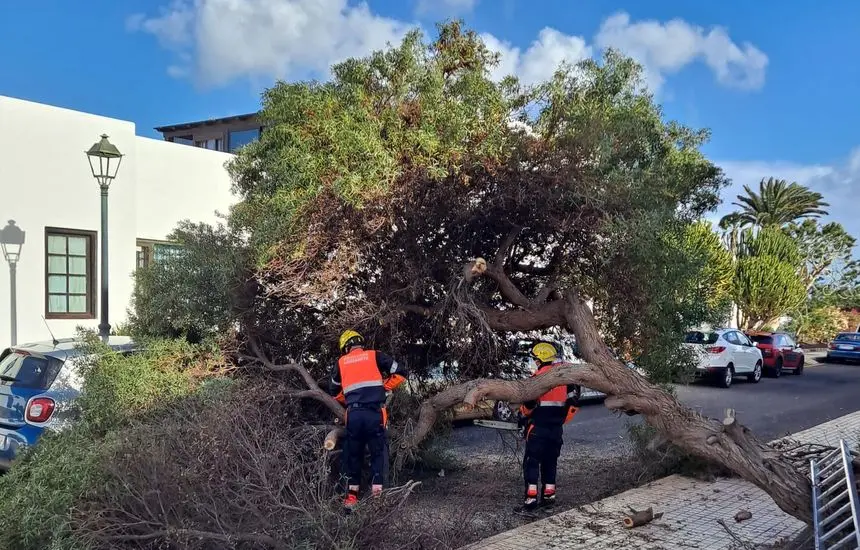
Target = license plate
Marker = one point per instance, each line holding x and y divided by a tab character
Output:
846	347
4	443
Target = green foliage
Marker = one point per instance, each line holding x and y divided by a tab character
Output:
767	280
45	484
777	203
354	136
817	325
119	388
826	251
42	488
714	283
367	194
191	294
699	269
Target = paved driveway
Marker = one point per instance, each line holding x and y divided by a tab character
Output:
771	408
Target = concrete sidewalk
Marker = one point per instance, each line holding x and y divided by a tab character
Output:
691	511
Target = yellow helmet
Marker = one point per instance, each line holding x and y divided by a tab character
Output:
350	337
544	352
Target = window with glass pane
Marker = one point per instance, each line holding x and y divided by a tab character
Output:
213	144
162	252
69	274
242	137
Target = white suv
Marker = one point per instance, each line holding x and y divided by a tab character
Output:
724	354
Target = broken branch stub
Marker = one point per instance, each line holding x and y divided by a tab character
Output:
641	517
332	438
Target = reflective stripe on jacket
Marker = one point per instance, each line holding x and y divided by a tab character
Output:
360	378
556	397
553	407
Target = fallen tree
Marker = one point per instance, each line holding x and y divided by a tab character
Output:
728	443
443	214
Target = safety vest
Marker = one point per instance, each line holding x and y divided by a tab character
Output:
556	397
358	370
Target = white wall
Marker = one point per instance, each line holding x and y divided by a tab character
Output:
162	202
45	181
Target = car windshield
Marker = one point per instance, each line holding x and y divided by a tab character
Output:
848	337
22	370
701	337
761	338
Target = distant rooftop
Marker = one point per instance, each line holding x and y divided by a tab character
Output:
225	134
209	122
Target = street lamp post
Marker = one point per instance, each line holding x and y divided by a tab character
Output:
12	240
104	159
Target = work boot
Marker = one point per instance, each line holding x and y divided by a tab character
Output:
350	502
548	496
531	500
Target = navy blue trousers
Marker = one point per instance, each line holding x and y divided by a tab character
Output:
543	447
365	429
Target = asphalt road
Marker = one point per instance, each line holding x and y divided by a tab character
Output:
772	408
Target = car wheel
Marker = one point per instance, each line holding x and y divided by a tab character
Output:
502	411
799	370
726	380
755	375
777	370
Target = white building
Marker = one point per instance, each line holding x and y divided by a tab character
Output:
47	188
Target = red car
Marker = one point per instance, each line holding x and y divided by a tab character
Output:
779	352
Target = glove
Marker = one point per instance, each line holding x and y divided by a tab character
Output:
522	424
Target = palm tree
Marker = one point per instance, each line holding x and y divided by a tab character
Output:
776	204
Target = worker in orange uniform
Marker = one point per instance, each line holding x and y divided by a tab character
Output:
545	419
360	381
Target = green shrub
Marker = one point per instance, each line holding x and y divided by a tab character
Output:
48	480
192	293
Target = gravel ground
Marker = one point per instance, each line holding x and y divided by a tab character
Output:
477	498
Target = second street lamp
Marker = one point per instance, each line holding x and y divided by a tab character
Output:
11	241
104	159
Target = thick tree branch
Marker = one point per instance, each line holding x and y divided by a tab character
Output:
313	392
505	248
547	315
508	289
731	445
734	446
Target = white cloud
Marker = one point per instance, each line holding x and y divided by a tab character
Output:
666	48
837	183
447	7
220	40
542	57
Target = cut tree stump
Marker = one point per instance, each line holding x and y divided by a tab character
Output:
640	517
332	438
743	515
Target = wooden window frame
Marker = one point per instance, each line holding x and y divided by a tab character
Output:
92	275
148	245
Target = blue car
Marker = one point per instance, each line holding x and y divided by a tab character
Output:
845	347
39	383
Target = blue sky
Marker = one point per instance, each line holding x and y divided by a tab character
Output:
777	83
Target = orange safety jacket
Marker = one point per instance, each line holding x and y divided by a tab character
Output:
359	377
553	408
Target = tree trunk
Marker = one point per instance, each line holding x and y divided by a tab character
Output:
731	444
728	444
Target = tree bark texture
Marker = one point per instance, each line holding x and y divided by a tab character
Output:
731	445
641	517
